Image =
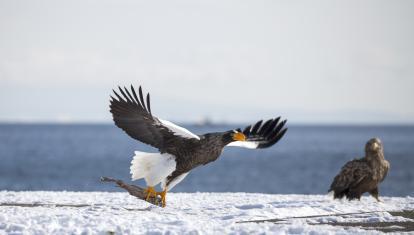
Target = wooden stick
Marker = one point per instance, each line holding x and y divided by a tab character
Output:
134	190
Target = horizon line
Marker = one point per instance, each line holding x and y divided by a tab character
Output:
210	123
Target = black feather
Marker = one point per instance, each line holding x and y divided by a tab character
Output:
135	95
124	95
247	130
264	127
119	97
141	98
129	95
148	103
256	126
270	127
274	140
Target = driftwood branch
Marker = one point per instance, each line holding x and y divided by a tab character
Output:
134	190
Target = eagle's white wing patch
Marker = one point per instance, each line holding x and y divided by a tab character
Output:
181	131
174	182
244	144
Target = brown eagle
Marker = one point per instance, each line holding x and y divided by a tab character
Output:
362	175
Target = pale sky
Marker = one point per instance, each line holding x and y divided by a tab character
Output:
234	61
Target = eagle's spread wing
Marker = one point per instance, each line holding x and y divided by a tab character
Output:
352	173
262	134
133	115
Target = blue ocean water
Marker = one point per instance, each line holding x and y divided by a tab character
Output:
74	157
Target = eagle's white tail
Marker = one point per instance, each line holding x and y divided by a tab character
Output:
154	167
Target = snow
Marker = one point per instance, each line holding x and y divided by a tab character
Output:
188	213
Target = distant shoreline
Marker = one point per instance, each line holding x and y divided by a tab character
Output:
9	123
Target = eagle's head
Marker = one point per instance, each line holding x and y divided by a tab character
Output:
373	148
233	135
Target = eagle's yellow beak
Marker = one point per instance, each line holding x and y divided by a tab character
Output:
239	136
375	146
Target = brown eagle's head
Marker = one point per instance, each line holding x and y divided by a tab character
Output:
373	148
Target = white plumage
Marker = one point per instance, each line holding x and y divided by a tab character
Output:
153	167
181	131
244	144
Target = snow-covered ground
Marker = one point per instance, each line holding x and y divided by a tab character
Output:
187	213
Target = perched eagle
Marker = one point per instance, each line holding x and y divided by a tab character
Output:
180	151
362	175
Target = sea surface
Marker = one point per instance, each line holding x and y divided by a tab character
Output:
74	157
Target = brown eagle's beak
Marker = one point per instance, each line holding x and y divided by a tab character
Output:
375	146
239	136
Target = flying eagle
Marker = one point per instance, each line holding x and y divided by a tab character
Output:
362	175
180	151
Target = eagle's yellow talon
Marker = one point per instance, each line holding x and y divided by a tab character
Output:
150	191
163	195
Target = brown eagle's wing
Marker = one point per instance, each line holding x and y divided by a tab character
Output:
387	167
262	134
133	115
352	173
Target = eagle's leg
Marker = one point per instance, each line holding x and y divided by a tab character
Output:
150	191
352	195
163	195
375	194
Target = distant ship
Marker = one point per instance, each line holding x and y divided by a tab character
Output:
204	121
